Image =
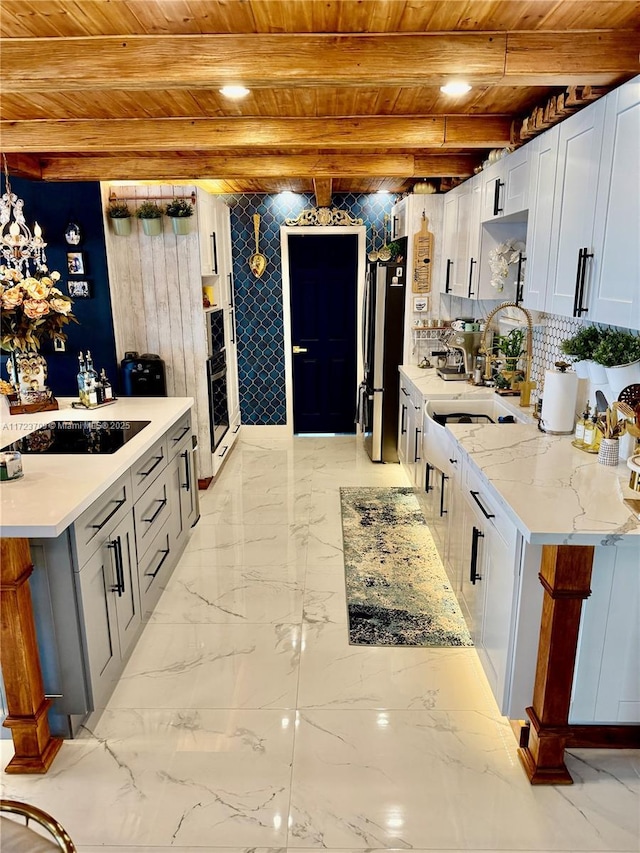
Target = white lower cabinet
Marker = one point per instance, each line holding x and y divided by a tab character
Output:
410	430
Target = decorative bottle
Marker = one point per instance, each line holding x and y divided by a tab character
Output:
91	383
81	379
107	390
580	425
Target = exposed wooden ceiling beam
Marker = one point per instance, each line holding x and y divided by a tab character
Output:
24	166
225	133
322	187
132	166
285	60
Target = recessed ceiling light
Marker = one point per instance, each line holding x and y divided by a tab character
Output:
457	88
234	91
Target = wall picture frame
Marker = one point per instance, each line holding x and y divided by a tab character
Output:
79	289
420	303
75	263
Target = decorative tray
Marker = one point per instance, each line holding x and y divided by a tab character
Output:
78	405
581	446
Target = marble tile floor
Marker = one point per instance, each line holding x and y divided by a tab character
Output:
245	721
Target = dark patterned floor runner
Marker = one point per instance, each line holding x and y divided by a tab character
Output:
397	591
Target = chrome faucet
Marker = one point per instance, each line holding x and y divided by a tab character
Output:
527	386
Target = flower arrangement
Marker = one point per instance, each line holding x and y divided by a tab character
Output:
33	308
501	257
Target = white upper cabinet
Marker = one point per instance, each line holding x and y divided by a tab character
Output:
571	256
461	244
614	296
400	219
543	158
206	234
505	186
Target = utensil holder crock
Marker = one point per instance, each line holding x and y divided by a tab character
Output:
609	452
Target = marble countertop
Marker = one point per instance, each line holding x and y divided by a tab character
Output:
555	493
56	489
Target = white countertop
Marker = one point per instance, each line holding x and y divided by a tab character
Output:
555	493
56	489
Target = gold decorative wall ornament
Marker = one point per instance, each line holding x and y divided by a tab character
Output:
324	216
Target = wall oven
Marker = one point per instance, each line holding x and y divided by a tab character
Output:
215	332
218	404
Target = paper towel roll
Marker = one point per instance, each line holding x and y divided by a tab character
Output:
559	402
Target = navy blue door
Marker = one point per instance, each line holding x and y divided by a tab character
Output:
323	275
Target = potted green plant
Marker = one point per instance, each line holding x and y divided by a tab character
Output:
120	215
150	214
512	348
619	353
581	348
179	210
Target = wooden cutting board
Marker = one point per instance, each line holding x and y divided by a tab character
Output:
422	258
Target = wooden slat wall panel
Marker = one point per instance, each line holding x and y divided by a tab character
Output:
157	300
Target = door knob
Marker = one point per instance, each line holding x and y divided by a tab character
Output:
297	349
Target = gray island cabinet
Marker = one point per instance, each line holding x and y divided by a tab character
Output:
95	583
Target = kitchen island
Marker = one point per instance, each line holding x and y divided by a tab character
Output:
540	506
98	533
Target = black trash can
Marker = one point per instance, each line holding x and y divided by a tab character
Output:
143	375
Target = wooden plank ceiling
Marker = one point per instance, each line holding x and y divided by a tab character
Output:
345	94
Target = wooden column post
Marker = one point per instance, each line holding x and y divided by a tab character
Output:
565	574
34	746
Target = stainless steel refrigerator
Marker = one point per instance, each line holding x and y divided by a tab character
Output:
383	330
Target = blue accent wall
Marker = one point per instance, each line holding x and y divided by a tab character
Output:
53	205
259	309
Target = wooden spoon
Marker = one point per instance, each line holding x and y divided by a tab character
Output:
257	261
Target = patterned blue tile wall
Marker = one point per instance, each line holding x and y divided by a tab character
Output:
259	309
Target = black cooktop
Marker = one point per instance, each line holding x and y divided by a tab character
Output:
79	437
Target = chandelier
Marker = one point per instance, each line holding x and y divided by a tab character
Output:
19	248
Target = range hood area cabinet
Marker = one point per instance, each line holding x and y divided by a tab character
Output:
156	295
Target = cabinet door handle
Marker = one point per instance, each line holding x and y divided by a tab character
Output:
178	438
496	196
187	471
116	546
443	511
224	450
476	535
576	293
118	504
165	553
232	297
453	461
416	458
427	477
447	281
395	227
163	503
474	495
471	265
519	282
214	252
403	425
153	467
583	274
404	391
237	429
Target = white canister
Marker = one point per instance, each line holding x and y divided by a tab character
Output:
559	402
